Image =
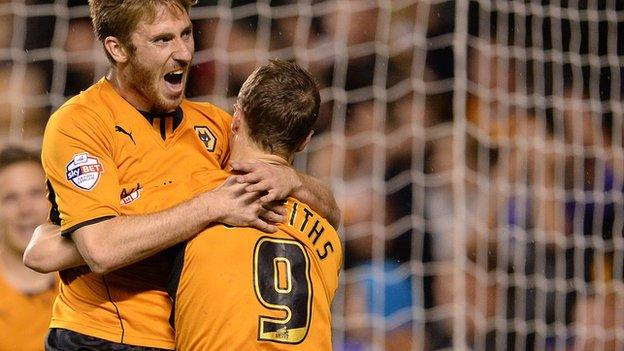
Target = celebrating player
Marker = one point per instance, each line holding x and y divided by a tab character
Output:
27	296
123	160
241	288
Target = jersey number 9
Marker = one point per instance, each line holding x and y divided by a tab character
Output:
282	283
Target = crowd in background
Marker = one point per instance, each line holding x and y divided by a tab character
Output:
481	185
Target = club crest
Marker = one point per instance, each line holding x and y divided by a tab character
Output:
206	137
84	171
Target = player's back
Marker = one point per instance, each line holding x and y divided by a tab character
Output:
242	289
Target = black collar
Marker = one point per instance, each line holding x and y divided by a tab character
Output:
177	115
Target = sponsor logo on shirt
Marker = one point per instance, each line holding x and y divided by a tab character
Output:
120	129
84	171
128	196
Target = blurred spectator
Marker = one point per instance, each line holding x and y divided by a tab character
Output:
6	30
23	101
81	56
381	295
27	296
362	205
482	295
591	164
201	78
598	322
598	325
243	53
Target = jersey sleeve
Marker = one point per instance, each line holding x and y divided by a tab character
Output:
77	156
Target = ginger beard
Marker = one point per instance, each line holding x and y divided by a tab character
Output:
154	87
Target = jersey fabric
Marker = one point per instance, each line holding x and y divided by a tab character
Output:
243	289
102	159
24	318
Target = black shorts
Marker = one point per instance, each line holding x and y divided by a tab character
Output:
67	340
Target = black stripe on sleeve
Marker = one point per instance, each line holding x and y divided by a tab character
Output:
54	216
67	232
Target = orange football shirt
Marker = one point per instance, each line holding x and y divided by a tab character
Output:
24	317
243	289
103	158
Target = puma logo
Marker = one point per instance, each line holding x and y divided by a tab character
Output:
123	131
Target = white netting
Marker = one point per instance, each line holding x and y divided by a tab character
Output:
475	148
541	177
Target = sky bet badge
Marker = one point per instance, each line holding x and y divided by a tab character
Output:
84	171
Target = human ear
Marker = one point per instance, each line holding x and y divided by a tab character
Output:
116	49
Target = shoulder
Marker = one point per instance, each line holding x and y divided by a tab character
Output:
310	227
301	211
83	119
207	110
77	117
90	106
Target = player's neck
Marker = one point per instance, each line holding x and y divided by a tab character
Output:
246	153
20	277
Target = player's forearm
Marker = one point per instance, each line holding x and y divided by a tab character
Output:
48	251
319	197
120	241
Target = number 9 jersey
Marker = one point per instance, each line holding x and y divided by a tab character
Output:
243	289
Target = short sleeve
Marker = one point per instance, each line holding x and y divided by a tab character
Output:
78	159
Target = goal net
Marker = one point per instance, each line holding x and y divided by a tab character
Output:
474	147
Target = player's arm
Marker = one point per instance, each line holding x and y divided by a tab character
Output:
119	241
114	243
281	181
85	199
311	191
48	251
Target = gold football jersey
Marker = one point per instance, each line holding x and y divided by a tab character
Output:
102	159
243	289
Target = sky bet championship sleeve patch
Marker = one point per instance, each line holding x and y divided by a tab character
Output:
84	171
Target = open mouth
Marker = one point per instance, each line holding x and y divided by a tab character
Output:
174	77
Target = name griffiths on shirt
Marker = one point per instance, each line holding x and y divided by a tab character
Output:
311	227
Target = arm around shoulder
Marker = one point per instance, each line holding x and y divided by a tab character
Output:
319	197
279	181
119	241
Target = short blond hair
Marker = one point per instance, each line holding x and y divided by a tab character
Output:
118	18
